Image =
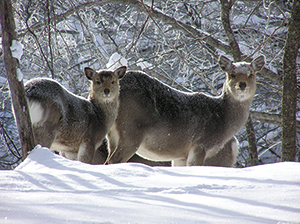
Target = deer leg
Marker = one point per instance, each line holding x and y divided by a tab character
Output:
122	148
101	153
86	151
122	152
120	155
44	136
179	162
226	156
196	157
69	155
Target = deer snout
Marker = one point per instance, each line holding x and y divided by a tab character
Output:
242	85
106	91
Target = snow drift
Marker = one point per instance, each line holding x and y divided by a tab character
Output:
47	188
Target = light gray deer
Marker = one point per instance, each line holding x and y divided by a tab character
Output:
161	123
70	124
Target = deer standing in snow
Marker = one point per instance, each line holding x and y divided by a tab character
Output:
70	124
161	123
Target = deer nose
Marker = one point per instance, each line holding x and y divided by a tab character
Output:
106	91
242	85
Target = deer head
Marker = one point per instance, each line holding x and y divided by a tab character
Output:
241	76
105	84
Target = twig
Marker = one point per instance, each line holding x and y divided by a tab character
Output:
180	56
83	24
264	42
272	146
142	29
258	4
5	136
49	37
36	39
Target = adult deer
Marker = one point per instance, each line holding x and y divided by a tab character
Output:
70	124
161	123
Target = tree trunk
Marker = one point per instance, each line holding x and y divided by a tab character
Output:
289	95
225	11
16	86
252	148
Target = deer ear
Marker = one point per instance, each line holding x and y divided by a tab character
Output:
89	73
258	63
120	72
224	63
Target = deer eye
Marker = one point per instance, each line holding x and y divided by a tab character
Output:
251	76
232	75
113	82
98	82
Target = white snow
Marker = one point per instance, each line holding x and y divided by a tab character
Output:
47	188
144	64
19	75
242	18
2	81
116	61
17	49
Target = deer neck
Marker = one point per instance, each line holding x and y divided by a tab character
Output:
107	107
236	112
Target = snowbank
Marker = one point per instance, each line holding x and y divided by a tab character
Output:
47	188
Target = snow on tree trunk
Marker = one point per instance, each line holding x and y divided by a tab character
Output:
12	54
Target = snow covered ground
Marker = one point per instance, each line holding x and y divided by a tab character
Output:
47	188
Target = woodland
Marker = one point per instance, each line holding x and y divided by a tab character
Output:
178	42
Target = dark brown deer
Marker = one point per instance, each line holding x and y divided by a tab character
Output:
70	124
161	123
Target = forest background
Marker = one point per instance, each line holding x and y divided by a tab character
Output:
177	42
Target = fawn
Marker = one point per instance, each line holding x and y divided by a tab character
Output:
161	123
70	124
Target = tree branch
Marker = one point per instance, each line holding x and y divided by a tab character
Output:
271	118
175	24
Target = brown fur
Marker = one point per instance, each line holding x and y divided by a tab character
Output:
102	153
226	156
161	123
70	124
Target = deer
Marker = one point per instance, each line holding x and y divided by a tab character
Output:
69	124
161	123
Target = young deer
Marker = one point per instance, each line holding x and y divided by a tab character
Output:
70	124
161	123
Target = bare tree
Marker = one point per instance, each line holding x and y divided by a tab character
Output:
289	92
15	80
